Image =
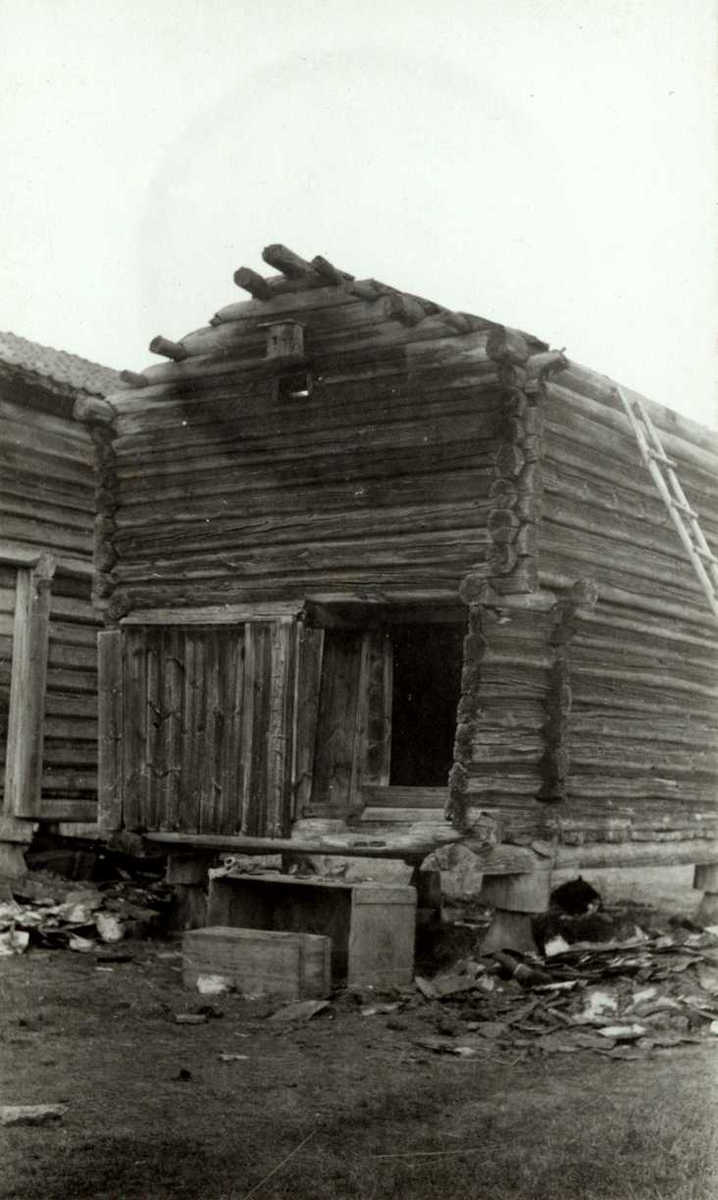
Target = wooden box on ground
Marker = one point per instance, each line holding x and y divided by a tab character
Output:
258	962
372	926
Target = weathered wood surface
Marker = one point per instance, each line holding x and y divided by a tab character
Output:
423	457
46	505
281	495
207	720
109	801
310	652
26	711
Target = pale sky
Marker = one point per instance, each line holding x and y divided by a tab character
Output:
550	165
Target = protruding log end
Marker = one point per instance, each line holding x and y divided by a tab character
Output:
540	366
92	408
507	346
368	289
174	350
250	281
584	593
134	379
406	309
285	260
328	272
44	569
119	606
475	588
457	321
503	525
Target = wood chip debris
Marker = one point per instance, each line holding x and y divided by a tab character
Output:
299	1010
57	914
31	1114
622	999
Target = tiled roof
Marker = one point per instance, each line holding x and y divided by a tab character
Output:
63	370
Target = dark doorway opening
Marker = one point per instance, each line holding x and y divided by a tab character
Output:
426	691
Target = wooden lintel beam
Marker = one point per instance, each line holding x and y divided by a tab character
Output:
15	554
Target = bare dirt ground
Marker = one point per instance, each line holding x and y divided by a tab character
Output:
154	1113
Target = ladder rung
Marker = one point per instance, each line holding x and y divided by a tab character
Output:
659	457
685	508
673	497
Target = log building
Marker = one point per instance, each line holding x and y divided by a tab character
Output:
48	628
365	558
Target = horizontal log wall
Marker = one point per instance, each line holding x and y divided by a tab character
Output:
500	745
376	483
46	483
47	504
642	736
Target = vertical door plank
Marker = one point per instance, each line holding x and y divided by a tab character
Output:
279	727
134	718
376	762
336	724
26	715
229	816
109	800
172	703
260	687
247	729
309	669
209	782
154	735
188	813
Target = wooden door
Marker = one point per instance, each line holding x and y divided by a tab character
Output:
202	728
343	719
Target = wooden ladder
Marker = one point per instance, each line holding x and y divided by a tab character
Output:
662	469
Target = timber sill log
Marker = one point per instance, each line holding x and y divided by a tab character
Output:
411	849
174	350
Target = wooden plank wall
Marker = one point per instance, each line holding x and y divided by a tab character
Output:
47	503
377	482
642	736
70	752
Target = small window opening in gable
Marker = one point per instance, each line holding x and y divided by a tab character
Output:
297	386
285	339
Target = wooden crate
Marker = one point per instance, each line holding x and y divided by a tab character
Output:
259	962
372	926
